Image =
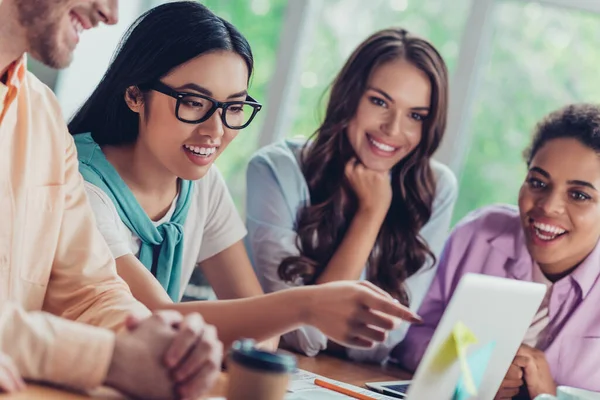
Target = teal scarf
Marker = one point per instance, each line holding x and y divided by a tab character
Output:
166	238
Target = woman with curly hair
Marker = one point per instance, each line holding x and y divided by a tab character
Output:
552	239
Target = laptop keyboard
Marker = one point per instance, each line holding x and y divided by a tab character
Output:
398	388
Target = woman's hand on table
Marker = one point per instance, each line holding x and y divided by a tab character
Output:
536	371
511	384
530	368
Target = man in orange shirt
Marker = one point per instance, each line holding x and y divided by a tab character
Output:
60	297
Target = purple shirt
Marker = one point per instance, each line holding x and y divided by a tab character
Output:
491	241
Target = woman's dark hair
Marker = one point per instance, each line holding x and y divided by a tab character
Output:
158	41
399	250
576	121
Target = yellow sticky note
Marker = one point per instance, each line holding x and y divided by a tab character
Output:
455	347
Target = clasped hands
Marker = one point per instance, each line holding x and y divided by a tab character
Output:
166	356
529	368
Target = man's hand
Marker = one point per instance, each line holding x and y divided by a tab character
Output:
137	367
511	384
194	357
538	377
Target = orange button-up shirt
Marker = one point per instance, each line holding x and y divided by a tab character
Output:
53	261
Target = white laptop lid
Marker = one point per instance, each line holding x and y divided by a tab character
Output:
494	309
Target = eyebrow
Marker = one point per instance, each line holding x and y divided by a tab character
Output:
575	182
206	92
387	96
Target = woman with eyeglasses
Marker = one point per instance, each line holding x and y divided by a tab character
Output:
175	95
362	199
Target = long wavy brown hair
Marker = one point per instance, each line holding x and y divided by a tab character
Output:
399	250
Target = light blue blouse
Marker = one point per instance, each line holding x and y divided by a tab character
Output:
276	190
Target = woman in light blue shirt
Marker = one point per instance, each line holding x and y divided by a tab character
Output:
363	199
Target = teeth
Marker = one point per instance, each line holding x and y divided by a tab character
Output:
77	25
382	146
539	234
204	151
555	230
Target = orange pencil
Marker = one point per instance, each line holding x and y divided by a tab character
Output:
342	390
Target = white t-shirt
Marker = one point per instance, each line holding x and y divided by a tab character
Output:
212	224
537	330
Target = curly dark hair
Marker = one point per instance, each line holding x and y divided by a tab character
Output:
576	121
399	250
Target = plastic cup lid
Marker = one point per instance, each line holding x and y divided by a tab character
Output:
244	353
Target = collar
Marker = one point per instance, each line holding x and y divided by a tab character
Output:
510	241
16	72
15	77
587	273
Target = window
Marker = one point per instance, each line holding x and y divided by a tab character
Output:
540	58
260	22
343	24
91	59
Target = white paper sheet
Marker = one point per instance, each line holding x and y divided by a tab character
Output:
302	387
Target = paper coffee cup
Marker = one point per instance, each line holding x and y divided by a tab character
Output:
256	374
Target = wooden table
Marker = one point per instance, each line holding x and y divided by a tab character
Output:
331	367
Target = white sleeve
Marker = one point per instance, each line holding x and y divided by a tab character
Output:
434	232
271	239
108	221
224	226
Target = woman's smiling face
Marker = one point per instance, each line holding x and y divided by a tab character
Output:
188	150
388	123
559	204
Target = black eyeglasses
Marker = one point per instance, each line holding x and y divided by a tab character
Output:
195	108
